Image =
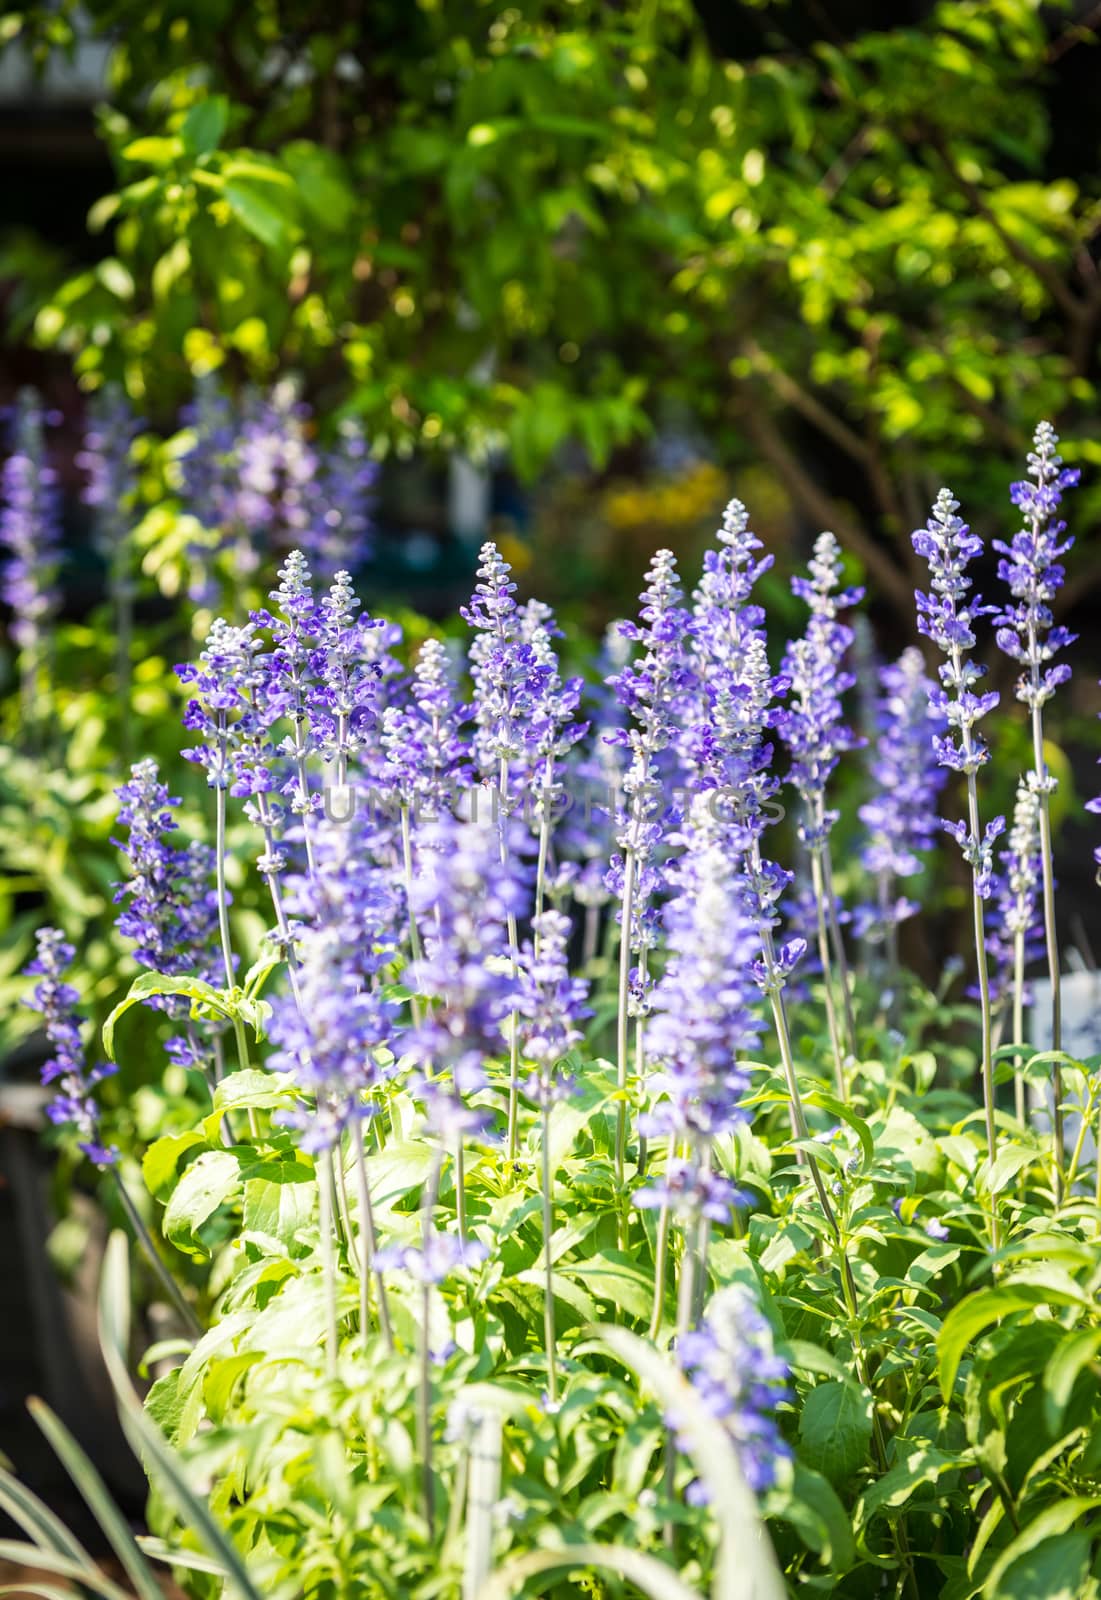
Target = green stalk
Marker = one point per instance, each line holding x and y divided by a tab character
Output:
661	1250
548	1266
842	960
328	1257
622	1030
368	1245
819	887
414	932
1051	935
1018	1022
514	957
424	1399
164	1277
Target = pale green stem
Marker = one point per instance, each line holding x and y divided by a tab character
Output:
1051	935
328	1257
368	1246
840	957
1018	1021
548	1266
818	884
622	1020
661	1249
544	839
414	932
424	1401
514	957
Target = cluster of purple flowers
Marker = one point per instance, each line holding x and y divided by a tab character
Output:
67	1071
731	1362
30	528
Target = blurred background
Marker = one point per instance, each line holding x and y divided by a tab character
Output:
567	274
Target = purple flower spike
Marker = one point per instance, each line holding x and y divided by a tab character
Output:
74	1105
731	1362
30	528
1031	568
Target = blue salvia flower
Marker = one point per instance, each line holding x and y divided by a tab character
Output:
170	910
1031	567
507	676
110	478
342	700
337	1036
1015	907
67	1072
549	1002
947	617
901	815
652	690
30	530
276	473
426	758
729	747
462	899
703	1017
293	622
731	1362
812	725
338	535
224	679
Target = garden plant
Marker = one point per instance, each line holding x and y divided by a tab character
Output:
573	1191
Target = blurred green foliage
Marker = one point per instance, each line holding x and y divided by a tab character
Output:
479	224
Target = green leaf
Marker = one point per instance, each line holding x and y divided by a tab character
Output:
155	151
94	1493
253	1088
843	1113
613	1276
835	1429
646	1572
155	983
36	1519
204	125
1044	1531
29	1555
256	212
280	1202
811	1506
1075	1351
145	1438
160	1163
208	1183
973	1315
923	1467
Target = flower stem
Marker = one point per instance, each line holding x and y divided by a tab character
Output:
1018	1021
328	1257
414	932
164	1277
622	1030
368	1245
424	1401
548	1265
818	883
661	1250
1051	935
840	957
514	957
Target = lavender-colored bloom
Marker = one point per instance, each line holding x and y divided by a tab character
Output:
947	616
30	528
651	690
508	677
170	909
425	755
461	897
935	1229
1015	906
330	1035
343	698
703	1004
338	534
901	816
225	677
549	1003
109	471
74	1105
436	1259
1031	567
812	726
731	1362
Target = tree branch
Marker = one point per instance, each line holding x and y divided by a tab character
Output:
761	426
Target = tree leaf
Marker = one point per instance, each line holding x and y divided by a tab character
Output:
204	125
257	213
